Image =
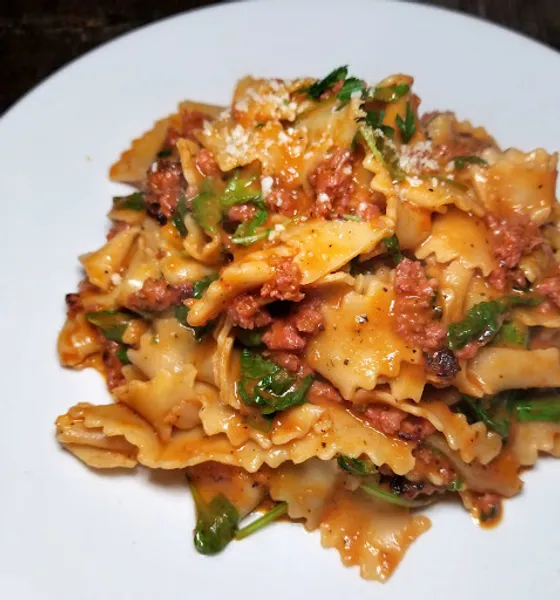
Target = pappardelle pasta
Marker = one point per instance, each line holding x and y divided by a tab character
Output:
322	305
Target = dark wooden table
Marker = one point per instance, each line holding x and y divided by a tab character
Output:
39	36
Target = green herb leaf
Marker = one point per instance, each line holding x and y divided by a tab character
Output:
351	85
383	151
200	286
240	191
379	493
482	321
484	410
181	312
132	202
315	90
249	339
122	355
513	334
539	408
456	485
206	208
179	215
279	510
406	125
269	387
216	523
393	248
390	93
356	466
374	119
462	161
245	234
113	323
355	218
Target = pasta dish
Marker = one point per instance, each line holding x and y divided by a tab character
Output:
324	307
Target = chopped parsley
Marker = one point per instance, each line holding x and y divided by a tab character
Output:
240	190
350	86
393	248
315	90
407	125
179	216
206	208
246	234
383	150
461	162
200	286
134	201
356	466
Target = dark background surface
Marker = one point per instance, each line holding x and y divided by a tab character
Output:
39	36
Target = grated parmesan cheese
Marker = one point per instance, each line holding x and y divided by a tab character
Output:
116	279
323	198
266	185
416	158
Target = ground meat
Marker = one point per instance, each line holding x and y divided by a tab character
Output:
550	288
112	364
511	239
239	213
286	282
309	318
470	350
283	335
323	390
286	202
442	363
287	360
428	464
246	312
385	418
163	188
332	182
206	163
156	295
488	506
117	227
192	120
395	422
73	303
414	306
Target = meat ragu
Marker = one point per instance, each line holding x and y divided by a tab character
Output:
286	309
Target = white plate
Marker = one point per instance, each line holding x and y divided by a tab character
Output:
68	533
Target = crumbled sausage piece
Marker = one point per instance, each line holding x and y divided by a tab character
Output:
112	364
239	213
333	184
156	295
414	295
206	163
321	391
163	188
246	311
283	335
285	285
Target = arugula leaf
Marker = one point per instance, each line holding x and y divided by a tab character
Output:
393	247
122	355
461	162
315	90
240	190
200	286
273	388
390	93
113	323
513	334
245	234
179	215
374	119
181	312
383	151
351	85
279	510
206	208
356	466
249	339
482	322
539	408
456	485
484	409
406	125
216	523
134	201
379	493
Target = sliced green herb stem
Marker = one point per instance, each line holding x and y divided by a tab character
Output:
263	521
